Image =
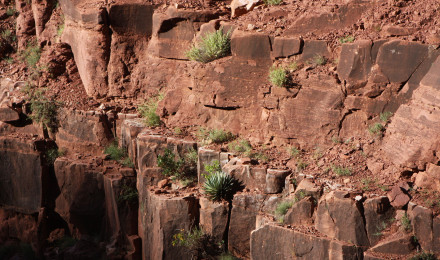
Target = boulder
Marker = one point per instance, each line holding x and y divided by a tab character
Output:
378	213
398	197
240	7
42	11
399	244
206	157
301	212
8	114
214	218
278	243
399	59
251	177
341	218
430	179
394	30
286	46
25	23
308	188
313	49
161	218
130	128
422	223
244	212
355	62
250	46
135	18
275	180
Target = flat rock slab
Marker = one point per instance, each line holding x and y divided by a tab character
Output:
8	114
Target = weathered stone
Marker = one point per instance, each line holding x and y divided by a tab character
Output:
240	7
81	202
422	223
17	225
8	114
398	197
89	133
278	243
130	128
377	212
131	18
275	180
393	30
25	23
307	188
341	219
245	208
85	31
436	234
301	212
161	218
286	46
206	157
355	62
313	49
42	10
251	177
430	179
399	59
214	218
397	245
252	46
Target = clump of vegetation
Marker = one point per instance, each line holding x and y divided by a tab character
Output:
11	11
346	39
341	171
282	209
60	30
147	110
197	243
318	60
127	194
406	223
212	46
44	110
220	186
380	228
385	116
424	256
241	146
183	169
213	167
278	77
53	154
219	136
294	152
118	154
31	55
301	165
273	2
376	129
367	184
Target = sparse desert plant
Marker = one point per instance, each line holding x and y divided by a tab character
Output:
53	154
182	168
282	209
199	244
219	136
169	164
367	184
385	116
220	186
213	167
118	154
376	129
273	2
11	11
60	30
44	110
212	46
318	60
31	55
241	146
406	223
294	152
346	39
301	165
147	110
278	76
127	194
424	256
341	171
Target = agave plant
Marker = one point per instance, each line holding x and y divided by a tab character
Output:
220	186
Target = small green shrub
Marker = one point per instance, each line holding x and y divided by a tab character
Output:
60	30
6	34
282	209
294	152
346	39
11	11
301	165
220	186
241	146
127	194
183	169
31	55
406	223
273	2
197	243
212	46
385	116
147	110
341	171
278	77
219	136
44	110
52	155
213	167
9	60
424	256
318	60
367	184
118	154
376	129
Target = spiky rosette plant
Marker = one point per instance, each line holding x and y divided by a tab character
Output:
220	186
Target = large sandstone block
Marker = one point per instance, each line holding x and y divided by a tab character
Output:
214	218
134	18
286	46
278	243
341	218
84	132
81	202
25	181
8	114
129	132
245	208
252	46
378	212
399	59
205	157
355	61
161	218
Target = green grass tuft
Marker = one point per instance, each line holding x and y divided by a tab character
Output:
219	136
346	39
118	154
385	116
273	2
376	129
278	77
147	110
341	171
212	46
